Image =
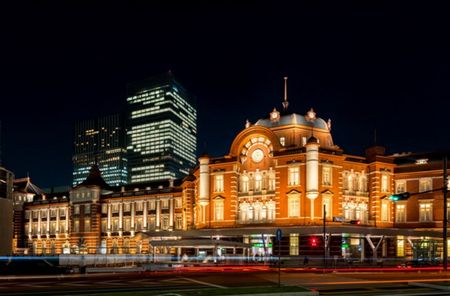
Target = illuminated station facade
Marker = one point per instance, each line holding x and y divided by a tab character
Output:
282	172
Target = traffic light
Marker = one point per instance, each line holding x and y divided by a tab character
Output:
357	222
399	196
313	241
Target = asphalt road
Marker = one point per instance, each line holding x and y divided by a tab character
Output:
358	283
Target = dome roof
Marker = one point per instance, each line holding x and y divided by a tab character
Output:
293	119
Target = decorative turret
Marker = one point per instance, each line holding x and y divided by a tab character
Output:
312	171
204	180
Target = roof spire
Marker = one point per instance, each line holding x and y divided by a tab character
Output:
285	101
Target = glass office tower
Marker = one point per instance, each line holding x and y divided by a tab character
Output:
162	130
101	141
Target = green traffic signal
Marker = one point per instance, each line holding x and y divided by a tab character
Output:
399	196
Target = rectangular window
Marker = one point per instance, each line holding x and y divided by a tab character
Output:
400	213
425	184
218	209
27	214
293	244
400	246
294	176
76	225
139	206
294	206
104	225
62	226
384	210
127	224
87	225
179	222
34	214
326	202
400	186
52	213
43	214
165	203
426	212
138	223
126	207
115	207
87	209
115	224
178	203
53	227
283	141
104	208
326	176
384	183
165	222
218	183
152	205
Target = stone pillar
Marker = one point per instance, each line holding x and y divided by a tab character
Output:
48	223
39	224
57	220
132	218
108	227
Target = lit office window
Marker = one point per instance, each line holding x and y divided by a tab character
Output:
400	246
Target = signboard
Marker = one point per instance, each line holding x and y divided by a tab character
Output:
338	219
279	234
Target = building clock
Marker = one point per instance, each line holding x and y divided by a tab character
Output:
257	155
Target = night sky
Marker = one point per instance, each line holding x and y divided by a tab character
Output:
362	64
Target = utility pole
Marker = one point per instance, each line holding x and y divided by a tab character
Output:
444	230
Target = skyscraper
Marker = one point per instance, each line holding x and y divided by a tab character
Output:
162	129
102	141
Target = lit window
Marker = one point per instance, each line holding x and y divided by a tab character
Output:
426	212
326	175
126	207
400	213
218	209
179	222
294	205
87	225
218	182
76	225
87	209
425	184
326	202
293	244
384	183
178	203
244	183
385	210
294	176
139	206
400	186
76	210
165	203
400	246
258	182
283	141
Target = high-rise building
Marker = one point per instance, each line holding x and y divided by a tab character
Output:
102	141
161	131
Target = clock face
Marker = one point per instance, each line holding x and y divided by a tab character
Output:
257	155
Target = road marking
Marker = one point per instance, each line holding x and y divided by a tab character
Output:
358	282
204	283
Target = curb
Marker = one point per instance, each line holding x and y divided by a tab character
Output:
432	286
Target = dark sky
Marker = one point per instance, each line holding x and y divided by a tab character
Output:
362	64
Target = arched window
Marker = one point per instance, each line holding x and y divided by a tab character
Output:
258	182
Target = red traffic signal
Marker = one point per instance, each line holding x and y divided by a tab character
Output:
313	241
